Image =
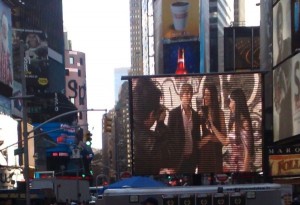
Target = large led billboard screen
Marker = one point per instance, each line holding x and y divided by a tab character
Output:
197	124
286	98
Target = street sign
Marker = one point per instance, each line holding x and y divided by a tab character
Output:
19	151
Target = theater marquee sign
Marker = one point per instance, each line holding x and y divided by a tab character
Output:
284	161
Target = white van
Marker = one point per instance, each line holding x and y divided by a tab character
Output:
243	194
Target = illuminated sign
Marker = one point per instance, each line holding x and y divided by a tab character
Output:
60	154
284	161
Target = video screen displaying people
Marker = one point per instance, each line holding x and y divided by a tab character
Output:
286	99
197	124
281	31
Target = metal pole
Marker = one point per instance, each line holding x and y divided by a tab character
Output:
77	185
25	133
64	114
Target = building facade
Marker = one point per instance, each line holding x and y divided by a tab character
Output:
76	90
220	16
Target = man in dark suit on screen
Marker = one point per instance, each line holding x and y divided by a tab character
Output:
184	126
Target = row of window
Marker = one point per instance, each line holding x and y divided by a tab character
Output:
68	72
72	62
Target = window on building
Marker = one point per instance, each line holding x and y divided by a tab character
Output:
81	61
79	73
80	115
67	72
72	100
71	60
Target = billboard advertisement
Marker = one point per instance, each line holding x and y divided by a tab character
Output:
180	18
281	31
286	99
36	64
180	30
191	56
6	67
284	161
197	124
61	134
295	24
241	46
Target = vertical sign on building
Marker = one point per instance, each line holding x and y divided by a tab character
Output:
6	67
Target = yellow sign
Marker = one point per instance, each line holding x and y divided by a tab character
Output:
284	165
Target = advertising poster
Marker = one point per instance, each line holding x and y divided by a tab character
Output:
281	31
295	24
36	64
6	67
197	124
180	18
286	99
8	138
61	134
241	48
284	160
191	56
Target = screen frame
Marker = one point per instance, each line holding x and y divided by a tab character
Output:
264	156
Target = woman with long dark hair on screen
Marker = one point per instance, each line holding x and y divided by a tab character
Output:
213	132
240	133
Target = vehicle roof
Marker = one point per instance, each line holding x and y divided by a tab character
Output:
190	189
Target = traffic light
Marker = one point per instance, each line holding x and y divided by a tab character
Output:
107	124
88	138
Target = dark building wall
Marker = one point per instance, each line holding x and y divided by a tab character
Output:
214	61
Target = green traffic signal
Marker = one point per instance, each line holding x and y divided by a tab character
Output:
88	143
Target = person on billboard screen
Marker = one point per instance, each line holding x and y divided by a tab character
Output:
240	133
283	42
151	146
37	52
5	65
184	126
213	130
282	101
